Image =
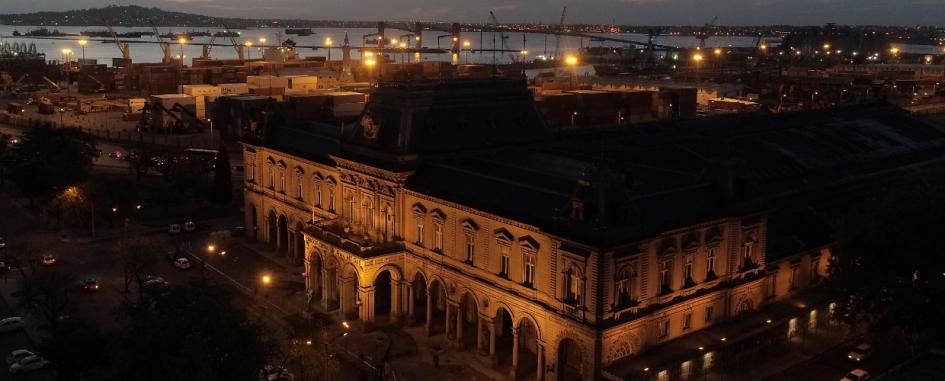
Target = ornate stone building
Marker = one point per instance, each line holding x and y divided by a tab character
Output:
656	251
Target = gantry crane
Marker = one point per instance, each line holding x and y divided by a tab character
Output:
502	36
208	47
703	33
165	46
240	53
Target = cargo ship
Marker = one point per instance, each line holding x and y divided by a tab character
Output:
301	32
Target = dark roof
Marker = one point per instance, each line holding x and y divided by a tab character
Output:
805	168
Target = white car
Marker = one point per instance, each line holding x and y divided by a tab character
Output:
154	281
11	324
3	243
28	364
182	263
173	229
860	353
856	375
18	355
190	226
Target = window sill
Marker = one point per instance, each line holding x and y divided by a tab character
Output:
528	285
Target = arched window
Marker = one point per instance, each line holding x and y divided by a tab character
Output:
331	194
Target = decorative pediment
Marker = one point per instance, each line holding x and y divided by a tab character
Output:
281	164
330	180
419	209
713	235
691	241
299	170
270	160
529	242
750	236
318	176
668	246
386	190
438	215
469	225
504	236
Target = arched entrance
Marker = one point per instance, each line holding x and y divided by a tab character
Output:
527	349
283	239
349	299
273	232
436	308
382	297
331	282
253	223
299	245
419	299
469	315
569	361
503	338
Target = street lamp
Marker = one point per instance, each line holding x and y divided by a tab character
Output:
262	40
82	43
572	61
697	58
249	51
328	47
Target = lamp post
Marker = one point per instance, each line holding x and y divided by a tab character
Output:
67	56
82	43
572	61
249	50
466	45
369	61
697	58
328	47
718	59
210	144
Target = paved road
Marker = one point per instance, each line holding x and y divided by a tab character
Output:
833	364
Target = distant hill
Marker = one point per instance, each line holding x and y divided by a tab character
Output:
133	15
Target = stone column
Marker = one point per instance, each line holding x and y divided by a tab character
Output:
492	357
479	334
411	299
448	331
396	299
341	298
366	310
540	373
429	322
460	320
514	372
326	290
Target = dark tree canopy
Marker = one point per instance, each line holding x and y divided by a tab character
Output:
47	160
191	332
889	271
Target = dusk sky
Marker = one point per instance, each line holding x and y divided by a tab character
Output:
730	12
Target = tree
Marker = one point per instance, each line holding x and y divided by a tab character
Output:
190	332
47	160
222	191
78	350
138	256
888	272
48	293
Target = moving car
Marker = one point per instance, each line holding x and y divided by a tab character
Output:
174	229
3	243
49	260
11	324
856	375
182	263
18	355
91	285
28	364
190	226
860	353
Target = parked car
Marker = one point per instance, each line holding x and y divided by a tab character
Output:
11	324
860	352
28	364
49	260
174	229
91	285
856	375
154	281
190	226
182	263
275	373
3	243
18	355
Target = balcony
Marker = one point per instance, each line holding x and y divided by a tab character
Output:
353	239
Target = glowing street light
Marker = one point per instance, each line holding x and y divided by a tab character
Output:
249	51
718	51
82	43
571	60
697	57
266	279
262	40
328	46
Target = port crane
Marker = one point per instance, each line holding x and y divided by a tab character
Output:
125	50
53	87
240	53
502	36
703	34
165	46
208	47
564	12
